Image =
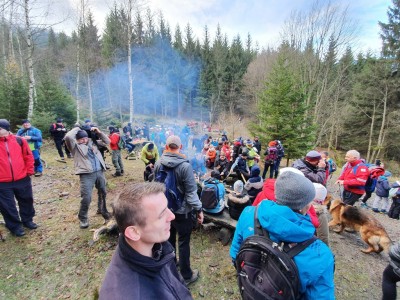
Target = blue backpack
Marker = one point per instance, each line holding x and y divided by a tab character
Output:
174	196
213	196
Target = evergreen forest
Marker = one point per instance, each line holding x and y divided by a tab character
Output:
312	90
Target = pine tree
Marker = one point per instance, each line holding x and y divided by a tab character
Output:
390	32
283	111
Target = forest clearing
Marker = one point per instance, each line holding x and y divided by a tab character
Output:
60	261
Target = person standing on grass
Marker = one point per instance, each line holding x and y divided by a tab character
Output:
186	184
90	167
16	167
116	151
34	138
143	265
58	131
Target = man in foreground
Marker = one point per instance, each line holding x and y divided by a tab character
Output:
143	265
354	177
286	220
16	167
89	165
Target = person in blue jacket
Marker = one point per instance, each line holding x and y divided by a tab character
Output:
381	201
34	138
286	220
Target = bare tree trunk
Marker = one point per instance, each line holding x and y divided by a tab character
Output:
371	130
129	42
77	84
383	125
3	35
32	91
21	62
90	96
10	33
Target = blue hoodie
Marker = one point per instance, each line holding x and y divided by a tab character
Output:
315	263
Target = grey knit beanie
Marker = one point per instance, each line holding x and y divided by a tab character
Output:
294	190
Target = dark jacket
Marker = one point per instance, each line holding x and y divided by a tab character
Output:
394	254
255	183
382	187
185	179
57	134
315	174
222	166
134	276
16	161
257	145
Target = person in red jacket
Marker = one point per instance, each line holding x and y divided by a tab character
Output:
116	151
354	177
16	167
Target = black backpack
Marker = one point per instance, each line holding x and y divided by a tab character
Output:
266	270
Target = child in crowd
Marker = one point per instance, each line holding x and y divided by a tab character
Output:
381	201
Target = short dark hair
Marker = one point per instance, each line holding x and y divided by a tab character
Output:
127	207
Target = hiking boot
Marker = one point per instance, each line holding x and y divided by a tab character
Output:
84	224
364	205
70	156
38	174
18	232
122	171
195	276
116	174
375	210
383	211
30	225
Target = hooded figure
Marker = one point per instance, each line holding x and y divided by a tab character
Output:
286	220
255	183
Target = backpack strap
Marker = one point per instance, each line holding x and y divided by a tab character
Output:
300	247
292	252
258	229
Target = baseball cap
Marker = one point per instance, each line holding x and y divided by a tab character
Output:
174	140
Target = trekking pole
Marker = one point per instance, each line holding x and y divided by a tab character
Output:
340	192
244	180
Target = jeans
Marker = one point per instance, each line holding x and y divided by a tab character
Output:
182	225
38	163
22	191
117	160
87	182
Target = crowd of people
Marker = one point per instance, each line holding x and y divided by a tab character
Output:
155	218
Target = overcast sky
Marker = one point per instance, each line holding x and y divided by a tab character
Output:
263	19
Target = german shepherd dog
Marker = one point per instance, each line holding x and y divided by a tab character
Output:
371	231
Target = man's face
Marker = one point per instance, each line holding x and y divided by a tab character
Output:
350	158
26	125
222	157
313	162
158	219
83	140
3	132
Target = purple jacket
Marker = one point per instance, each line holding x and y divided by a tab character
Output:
382	187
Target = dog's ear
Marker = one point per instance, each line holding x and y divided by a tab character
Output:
327	200
335	203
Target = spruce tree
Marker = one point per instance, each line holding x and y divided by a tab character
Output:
390	32
283	111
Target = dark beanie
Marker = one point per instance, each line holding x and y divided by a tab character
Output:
5	124
294	190
150	146
25	121
59	120
81	134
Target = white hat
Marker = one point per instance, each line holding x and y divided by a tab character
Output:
320	193
290	169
